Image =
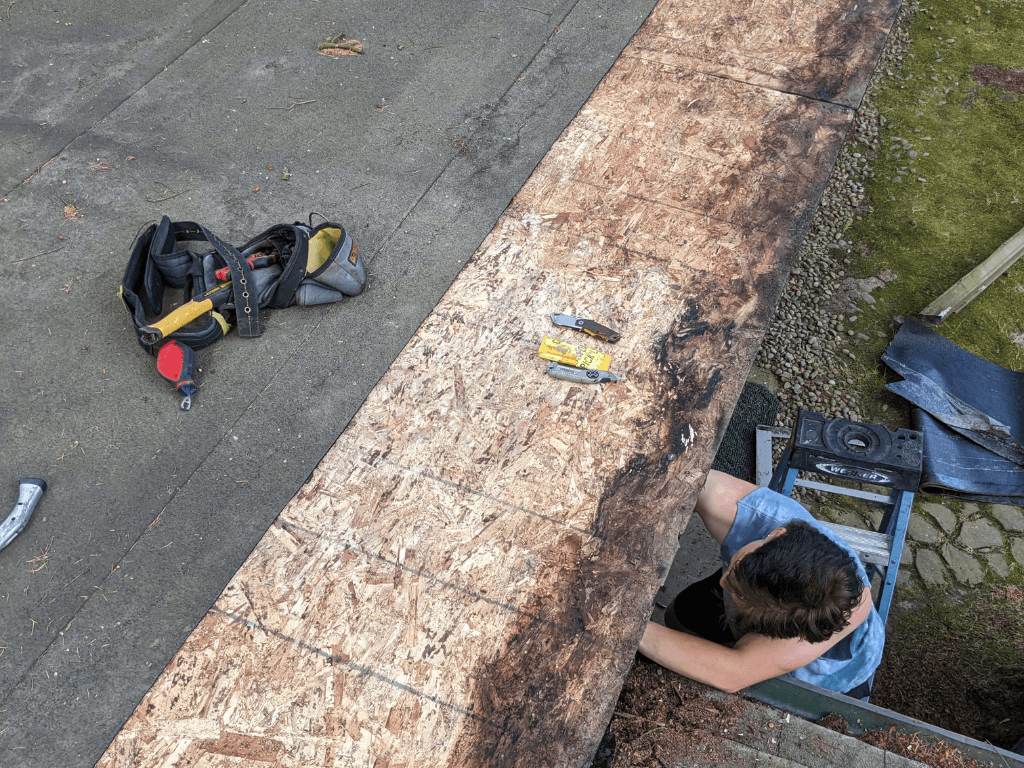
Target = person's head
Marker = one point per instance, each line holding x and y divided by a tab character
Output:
795	583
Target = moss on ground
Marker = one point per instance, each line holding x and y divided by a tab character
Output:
978	628
969	145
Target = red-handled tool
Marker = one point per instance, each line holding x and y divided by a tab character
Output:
176	362
256	261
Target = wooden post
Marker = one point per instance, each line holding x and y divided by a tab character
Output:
975	281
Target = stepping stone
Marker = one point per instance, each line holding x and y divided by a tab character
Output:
929	565
966	569
980	534
920	530
1017	551
1011	518
998	564
944	516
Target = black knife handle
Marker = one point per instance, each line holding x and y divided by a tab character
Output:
598	330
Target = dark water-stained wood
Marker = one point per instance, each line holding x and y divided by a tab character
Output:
465	577
824	50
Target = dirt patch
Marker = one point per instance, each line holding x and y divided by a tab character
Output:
958	663
834	722
851	290
934	753
1007	79
339	45
665	719
938	754
935	688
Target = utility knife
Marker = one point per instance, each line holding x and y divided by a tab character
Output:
588	326
579	375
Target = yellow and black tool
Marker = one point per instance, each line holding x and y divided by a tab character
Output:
587	326
185	314
200	305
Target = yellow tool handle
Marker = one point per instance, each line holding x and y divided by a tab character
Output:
180	317
570	354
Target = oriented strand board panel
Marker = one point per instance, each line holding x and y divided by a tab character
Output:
824	50
464	580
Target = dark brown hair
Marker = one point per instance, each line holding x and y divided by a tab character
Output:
800	584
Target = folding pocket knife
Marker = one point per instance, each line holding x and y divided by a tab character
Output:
588	326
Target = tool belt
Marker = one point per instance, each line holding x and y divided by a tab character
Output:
305	265
224	286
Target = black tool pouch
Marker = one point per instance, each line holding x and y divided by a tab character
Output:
334	260
321	265
158	262
314	265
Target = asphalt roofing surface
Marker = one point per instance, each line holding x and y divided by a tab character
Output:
115	113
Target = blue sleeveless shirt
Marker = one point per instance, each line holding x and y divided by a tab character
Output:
853	659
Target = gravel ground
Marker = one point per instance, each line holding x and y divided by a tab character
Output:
807	346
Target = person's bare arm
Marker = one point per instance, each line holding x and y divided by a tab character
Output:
717	502
752	659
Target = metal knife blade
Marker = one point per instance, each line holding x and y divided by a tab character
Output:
579	375
588	326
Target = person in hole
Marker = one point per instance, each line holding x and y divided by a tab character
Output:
793	599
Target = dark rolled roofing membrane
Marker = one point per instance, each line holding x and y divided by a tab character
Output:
971	412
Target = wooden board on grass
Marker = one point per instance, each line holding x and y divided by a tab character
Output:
465	578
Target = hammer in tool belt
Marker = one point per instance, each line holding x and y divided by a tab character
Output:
200	305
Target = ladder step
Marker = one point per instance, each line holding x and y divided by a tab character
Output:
853	492
871	546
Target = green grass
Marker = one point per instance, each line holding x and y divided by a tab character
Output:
932	233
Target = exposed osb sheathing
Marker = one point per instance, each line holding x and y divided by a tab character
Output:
465	578
822	50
